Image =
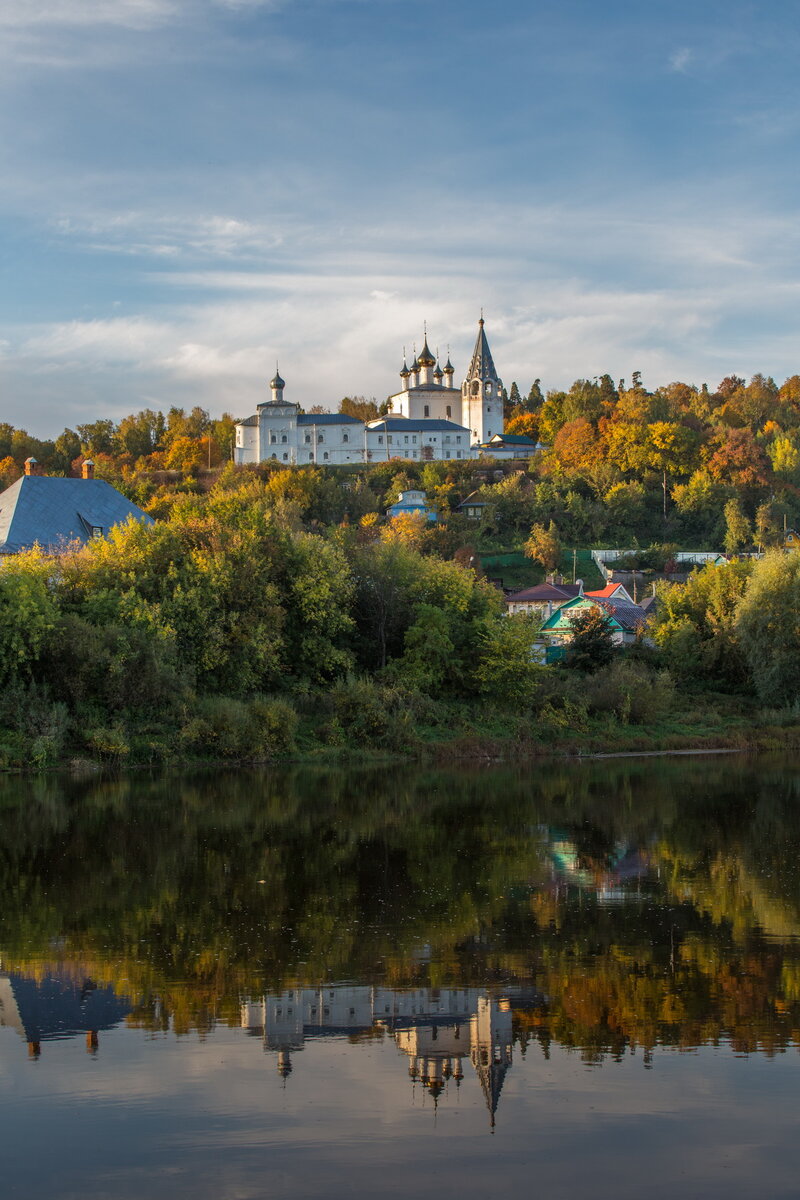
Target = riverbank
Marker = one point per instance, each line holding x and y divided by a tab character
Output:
397	728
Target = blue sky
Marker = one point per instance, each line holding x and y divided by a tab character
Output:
192	189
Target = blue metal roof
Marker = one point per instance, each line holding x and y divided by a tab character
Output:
420	425
53	512
327	419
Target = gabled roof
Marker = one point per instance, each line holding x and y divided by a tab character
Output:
582	603
608	592
482	364
628	615
474	499
53	512
544	592
513	439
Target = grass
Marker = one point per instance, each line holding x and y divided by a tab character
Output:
516	571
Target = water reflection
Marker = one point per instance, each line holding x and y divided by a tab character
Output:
635	905
346	964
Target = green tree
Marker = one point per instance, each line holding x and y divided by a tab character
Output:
97	437
507	669
738	531
591	644
768	627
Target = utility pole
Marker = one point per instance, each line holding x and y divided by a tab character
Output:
574	564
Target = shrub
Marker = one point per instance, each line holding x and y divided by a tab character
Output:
631	692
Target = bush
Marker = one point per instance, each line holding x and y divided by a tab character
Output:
222	727
631	692
366	713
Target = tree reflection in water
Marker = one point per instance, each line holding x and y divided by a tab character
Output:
608	907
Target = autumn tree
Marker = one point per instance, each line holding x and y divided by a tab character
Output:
738	531
543	546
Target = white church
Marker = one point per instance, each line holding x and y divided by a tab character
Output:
429	419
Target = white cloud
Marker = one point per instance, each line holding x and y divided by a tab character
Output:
679	59
131	14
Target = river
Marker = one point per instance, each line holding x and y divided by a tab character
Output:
567	979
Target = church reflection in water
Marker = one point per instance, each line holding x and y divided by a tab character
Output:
445	1033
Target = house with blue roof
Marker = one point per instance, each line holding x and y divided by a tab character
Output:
53	513
412	501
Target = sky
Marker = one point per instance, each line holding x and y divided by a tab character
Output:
194	190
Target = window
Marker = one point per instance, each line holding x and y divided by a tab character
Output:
488	408
458	454
285	456
447	439
272	439
97	531
458	439
413	439
273	456
308	439
426	410
488	389
311	456
380	439
449	412
325	456
476	387
320	438
345	437
405	440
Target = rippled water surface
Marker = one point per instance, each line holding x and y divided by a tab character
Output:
566	980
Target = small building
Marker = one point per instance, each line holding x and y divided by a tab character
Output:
473	506
52	513
627	620
791	539
510	445
543	599
411	502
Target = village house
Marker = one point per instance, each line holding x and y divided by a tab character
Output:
627	620
412	501
53	512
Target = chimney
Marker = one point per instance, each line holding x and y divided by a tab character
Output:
32	466
87	469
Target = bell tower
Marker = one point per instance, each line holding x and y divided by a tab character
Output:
482	393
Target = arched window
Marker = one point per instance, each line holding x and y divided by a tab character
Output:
488	389
285	457
325	456
272	439
284	439
476	387
311	456
345	438
426	412
449	412
273	456
308	439
320	438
